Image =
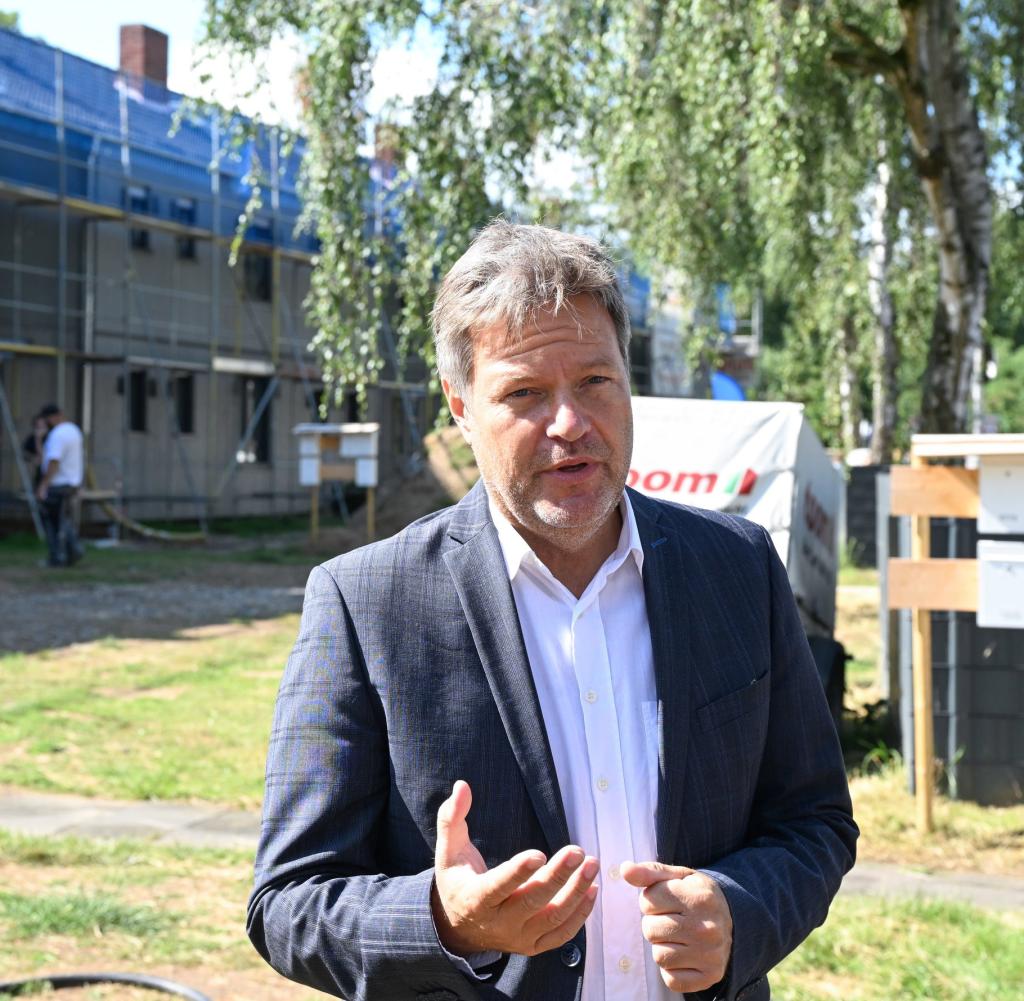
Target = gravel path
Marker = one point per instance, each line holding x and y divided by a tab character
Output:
35	620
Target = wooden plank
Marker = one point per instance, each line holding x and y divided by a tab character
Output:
935	491
951	446
936	585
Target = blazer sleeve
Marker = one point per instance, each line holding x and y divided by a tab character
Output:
323	911
801	835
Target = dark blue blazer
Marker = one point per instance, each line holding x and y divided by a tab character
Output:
410	671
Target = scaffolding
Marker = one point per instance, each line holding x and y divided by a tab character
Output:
115	263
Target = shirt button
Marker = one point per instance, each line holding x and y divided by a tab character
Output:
602	784
614	872
571	954
625	964
591	696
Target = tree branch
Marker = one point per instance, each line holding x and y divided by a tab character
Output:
863	54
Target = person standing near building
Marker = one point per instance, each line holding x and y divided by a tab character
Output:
32	449
62	465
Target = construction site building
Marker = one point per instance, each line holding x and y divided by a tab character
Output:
117	300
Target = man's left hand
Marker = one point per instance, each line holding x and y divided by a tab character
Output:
687	921
41	491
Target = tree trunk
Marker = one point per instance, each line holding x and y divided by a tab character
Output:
952	164
884	386
849	396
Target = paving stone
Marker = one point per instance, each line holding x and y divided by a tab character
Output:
182	823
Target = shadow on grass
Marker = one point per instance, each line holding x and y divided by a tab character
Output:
869	736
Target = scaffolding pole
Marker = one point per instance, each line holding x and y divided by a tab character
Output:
62	237
232	467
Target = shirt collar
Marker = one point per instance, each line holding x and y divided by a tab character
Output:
516	549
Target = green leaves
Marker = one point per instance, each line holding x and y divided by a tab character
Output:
723	141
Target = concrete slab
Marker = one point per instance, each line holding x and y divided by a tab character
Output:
882	880
50	814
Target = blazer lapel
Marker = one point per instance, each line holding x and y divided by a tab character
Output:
668	569
481	580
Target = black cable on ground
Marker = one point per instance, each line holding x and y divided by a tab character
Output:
32	985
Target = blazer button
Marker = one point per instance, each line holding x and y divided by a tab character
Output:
571	954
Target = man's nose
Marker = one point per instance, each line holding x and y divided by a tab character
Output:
568	421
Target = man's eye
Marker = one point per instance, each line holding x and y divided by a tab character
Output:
597	380
519	394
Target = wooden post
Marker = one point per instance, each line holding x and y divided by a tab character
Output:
371	514
921	628
314	513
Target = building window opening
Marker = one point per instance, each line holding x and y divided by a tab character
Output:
257	272
183	210
137	396
257	448
139	202
183	392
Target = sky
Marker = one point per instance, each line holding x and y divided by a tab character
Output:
91	31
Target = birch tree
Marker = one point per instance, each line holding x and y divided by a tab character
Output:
724	139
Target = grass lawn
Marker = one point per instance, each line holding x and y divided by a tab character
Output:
182	718
966	836
136	562
74	904
858	630
907	950
188	718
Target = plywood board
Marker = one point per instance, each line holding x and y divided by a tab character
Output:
934	491
949	446
939	585
340	472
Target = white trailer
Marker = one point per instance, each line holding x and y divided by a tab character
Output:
759	460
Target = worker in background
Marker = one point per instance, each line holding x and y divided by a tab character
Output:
62	466
32	449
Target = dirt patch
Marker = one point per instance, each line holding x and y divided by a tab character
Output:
39	620
159	591
220	985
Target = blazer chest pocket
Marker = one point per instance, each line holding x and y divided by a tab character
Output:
733	705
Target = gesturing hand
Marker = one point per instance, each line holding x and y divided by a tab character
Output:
526	905
687	921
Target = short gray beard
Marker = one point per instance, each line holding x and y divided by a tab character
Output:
553	525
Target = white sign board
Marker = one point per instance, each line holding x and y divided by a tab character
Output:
1001	584
1001	489
356	443
759	460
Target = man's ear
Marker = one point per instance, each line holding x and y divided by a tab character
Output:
458	409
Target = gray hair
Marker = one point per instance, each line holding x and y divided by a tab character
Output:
508	274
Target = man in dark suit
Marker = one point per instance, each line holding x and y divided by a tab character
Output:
560	741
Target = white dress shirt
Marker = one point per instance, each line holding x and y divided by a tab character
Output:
593	668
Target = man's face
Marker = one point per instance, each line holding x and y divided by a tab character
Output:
550	422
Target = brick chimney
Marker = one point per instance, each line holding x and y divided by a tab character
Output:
144	52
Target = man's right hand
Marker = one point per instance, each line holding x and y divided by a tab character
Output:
526	905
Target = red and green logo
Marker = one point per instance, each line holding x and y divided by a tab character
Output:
664	481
